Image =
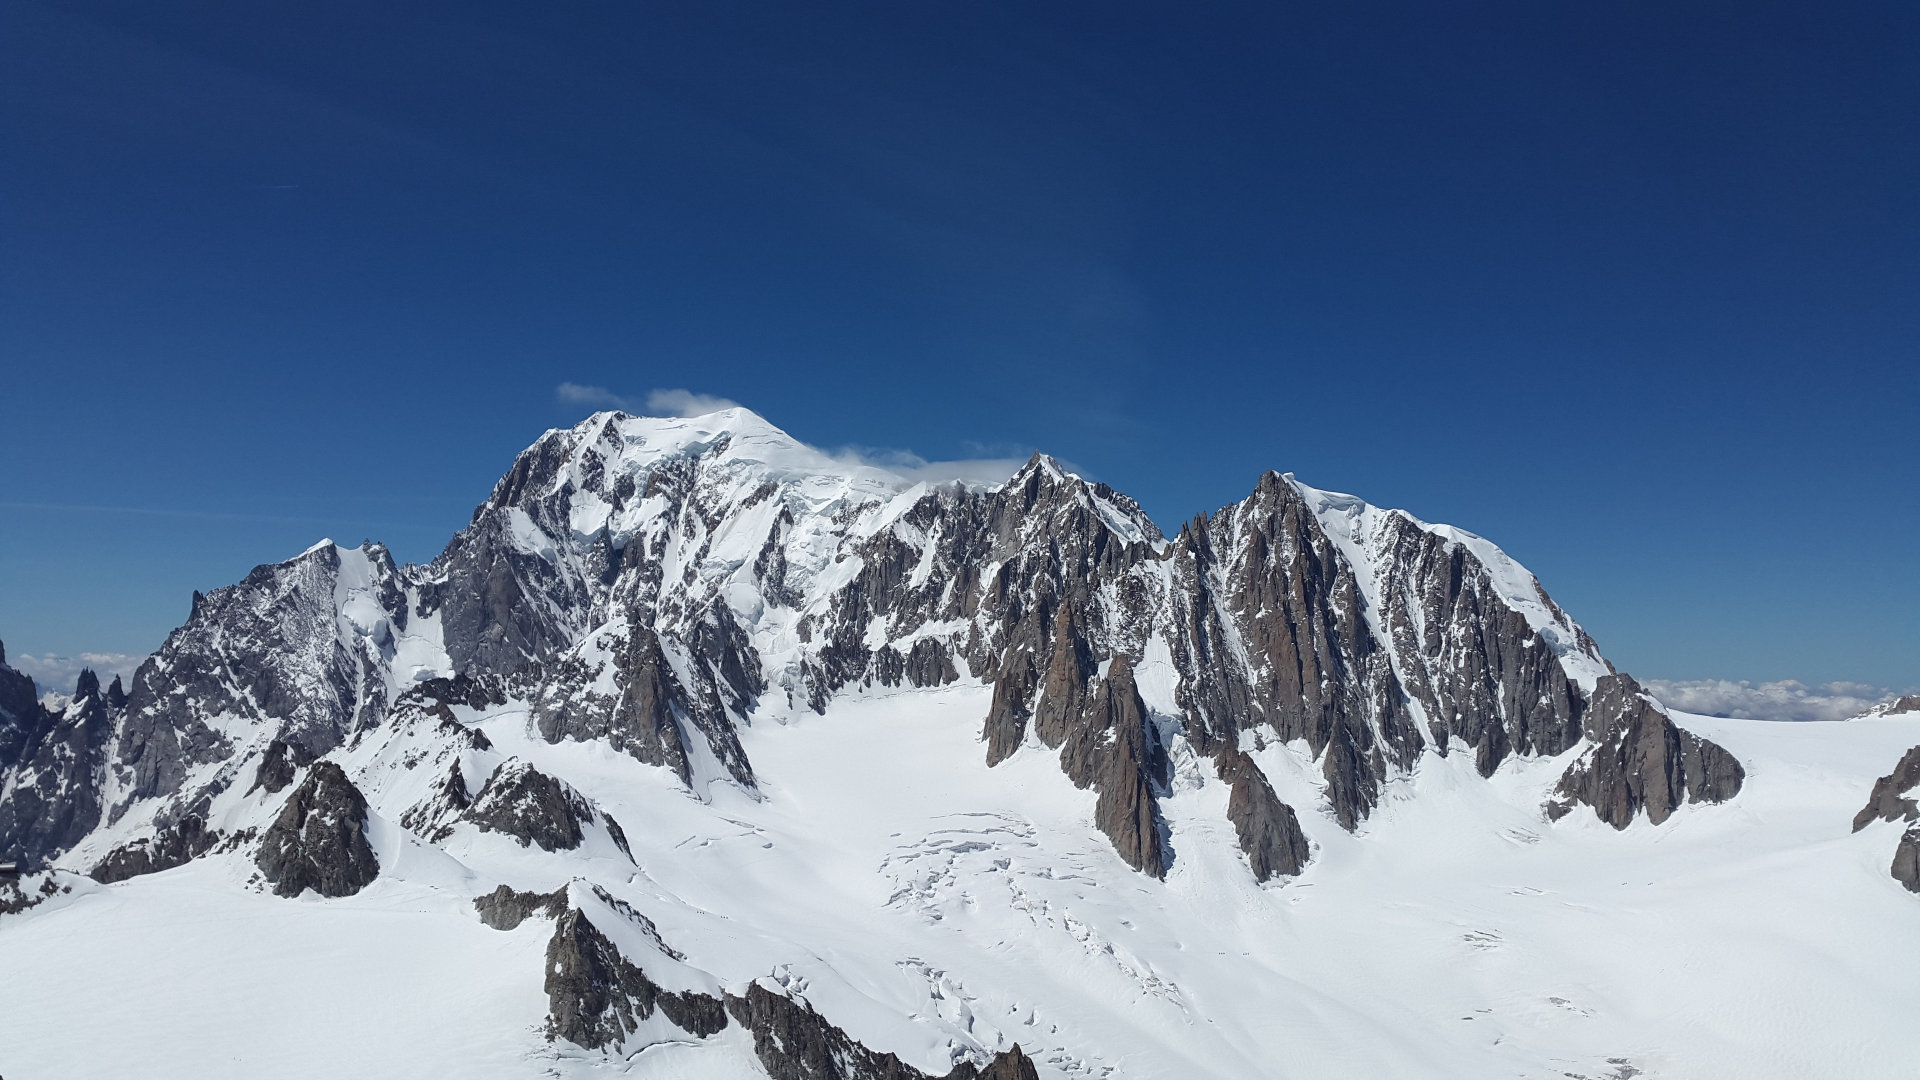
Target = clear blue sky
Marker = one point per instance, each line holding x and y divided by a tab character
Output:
1632	289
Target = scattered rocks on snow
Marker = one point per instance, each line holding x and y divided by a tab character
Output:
174	845
319	841
1888	801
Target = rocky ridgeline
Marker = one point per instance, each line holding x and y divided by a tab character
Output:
648	585
1363	636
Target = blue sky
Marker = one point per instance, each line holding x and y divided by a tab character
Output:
1633	290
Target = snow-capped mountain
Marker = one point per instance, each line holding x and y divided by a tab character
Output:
793	768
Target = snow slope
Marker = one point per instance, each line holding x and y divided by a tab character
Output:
924	901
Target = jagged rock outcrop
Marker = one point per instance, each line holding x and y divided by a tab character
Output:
279	765
532	807
596	997
22	720
1641	761
1268	829
173	845
506	908
52	789
1115	748
433	818
642	721
319	840
794	1042
1906	859
1888	800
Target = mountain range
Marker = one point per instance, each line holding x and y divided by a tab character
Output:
700	752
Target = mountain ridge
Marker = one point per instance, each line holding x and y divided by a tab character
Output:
658	591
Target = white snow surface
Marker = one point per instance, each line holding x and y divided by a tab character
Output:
936	908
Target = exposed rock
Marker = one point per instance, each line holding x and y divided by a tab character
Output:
171	846
1908	704
532	807
1006	724
794	1042
432	817
1116	750
18	894
1063	696
655	712
279	765
1887	801
1641	760
596	997
1268	829
53	789
505	908
319	841
1906	859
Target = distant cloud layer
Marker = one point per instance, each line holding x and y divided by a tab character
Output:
57	675
1788	699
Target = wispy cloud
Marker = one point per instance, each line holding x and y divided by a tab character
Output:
56	675
1787	699
916	469
573	393
661	402
686	403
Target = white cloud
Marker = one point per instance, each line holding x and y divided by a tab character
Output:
912	467
1788	699
662	402
685	403
571	393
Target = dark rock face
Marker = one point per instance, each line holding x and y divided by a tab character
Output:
794	1042
1115	749
1642	760
1887	801
175	845
643	721
432	818
1268	829
319	841
279	765
532	807
505	908
22	720
1906	860
596	997
54	782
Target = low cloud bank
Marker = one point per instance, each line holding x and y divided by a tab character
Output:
55	675
1788	699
